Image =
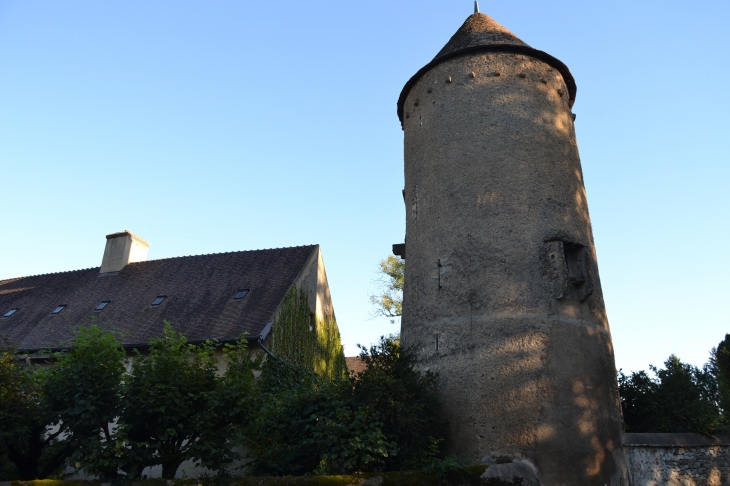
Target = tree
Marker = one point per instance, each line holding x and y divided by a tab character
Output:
389	303
720	362
680	398
85	389
173	405
403	400
386	418
28	437
177	408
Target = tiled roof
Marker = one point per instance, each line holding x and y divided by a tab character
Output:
355	364
479	30
199	303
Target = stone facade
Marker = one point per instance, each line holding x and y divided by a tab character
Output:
502	294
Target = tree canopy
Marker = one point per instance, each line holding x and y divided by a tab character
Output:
677	398
31	440
386	417
389	300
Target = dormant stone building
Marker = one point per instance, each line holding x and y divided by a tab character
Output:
502	293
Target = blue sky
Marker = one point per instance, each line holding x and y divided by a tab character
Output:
222	126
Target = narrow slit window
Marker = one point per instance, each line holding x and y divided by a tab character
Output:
10	312
241	294
159	299
102	305
58	309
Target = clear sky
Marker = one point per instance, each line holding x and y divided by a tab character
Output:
234	125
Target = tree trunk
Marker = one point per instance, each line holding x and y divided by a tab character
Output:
169	468
27	463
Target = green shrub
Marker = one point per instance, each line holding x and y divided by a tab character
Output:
385	418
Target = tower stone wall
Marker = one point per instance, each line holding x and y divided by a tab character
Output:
502	293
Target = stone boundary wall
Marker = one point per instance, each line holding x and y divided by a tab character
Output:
677	459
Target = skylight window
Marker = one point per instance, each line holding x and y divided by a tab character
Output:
159	299
102	305
58	309
10	312
241	294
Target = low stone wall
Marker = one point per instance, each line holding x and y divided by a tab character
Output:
677	460
468	476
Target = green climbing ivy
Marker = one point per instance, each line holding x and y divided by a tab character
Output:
304	341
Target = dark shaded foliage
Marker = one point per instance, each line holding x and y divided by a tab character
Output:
385	418
29	447
679	398
405	400
720	363
85	388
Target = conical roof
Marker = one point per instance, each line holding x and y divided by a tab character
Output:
480	32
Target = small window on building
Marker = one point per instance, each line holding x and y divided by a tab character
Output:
159	299
10	312
241	294
102	305
58	309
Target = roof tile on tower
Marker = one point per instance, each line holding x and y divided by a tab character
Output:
479	30
481	33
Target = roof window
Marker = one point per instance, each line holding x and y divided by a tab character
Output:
241	294
102	305
10	312
159	299
59	309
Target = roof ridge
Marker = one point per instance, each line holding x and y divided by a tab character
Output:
224	253
157	260
49	273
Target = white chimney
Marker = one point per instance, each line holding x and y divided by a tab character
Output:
121	249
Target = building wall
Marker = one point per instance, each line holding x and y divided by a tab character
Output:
305	329
313	280
492	180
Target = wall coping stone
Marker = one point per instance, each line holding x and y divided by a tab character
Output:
674	440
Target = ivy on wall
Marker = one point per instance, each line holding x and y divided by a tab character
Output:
301	339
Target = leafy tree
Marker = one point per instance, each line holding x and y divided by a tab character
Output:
28	439
85	389
386	418
403	400
173	405
680	398
389	302
177	408
720	362
307	424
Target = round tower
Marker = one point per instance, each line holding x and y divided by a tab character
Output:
502	296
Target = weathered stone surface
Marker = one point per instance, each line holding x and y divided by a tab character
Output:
514	472
665	465
492	176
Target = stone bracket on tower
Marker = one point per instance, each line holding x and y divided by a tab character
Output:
399	249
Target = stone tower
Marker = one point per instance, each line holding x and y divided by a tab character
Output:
502	295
